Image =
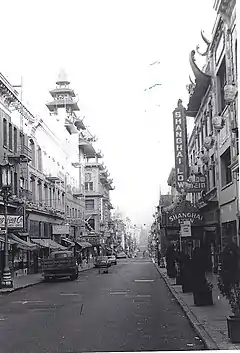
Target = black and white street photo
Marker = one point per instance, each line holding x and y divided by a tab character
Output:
119	176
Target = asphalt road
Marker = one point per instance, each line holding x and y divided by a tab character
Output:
128	309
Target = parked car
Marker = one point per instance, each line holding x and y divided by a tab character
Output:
101	261
112	259
60	264
121	255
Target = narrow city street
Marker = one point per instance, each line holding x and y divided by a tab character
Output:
128	309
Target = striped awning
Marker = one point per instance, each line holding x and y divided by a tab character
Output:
84	244
48	243
10	241
68	242
22	244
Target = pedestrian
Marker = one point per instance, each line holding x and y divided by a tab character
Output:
170	260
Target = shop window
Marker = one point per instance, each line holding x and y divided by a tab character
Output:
10	137
89	186
225	167
221	82
34	229
4	132
229	232
89	204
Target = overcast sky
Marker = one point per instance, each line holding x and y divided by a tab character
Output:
106	47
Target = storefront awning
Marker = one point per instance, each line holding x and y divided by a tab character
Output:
84	244
68	242
22	244
49	243
210	228
10	241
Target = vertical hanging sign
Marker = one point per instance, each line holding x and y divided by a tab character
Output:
180	145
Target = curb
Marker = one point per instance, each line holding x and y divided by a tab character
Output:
199	328
11	290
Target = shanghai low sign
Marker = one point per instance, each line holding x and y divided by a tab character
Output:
12	221
180	145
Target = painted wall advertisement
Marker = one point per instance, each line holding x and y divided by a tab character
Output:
13	221
180	146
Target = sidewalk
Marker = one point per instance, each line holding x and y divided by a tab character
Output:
30	280
209	321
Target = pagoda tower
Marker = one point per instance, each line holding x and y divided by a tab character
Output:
64	97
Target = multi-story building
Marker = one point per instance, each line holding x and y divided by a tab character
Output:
49	155
14	146
97	202
213	147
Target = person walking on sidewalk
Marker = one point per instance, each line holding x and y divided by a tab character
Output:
199	268
170	260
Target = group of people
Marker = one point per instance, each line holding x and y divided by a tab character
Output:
180	264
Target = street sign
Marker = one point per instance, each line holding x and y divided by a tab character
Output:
186	229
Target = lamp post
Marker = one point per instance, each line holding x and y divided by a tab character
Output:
5	193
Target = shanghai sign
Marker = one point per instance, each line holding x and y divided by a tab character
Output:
180	144
13	221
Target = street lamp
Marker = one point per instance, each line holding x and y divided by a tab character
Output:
5	192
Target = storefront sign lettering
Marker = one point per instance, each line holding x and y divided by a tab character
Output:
12	221
186	216
180	144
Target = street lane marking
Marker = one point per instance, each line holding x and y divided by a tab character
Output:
144	280
69	294
116	293
143	295
27	301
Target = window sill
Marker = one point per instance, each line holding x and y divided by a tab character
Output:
226	186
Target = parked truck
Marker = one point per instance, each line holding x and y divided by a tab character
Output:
60	264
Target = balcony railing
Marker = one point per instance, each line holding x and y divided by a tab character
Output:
56	176
77	192
22	154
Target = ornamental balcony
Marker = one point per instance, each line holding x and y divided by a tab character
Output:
63	103
93	193
85	144
23	154
77	192
57	177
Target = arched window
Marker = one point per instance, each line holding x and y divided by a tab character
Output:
39	159
33	151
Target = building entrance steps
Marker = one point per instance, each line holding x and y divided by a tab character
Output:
209	321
